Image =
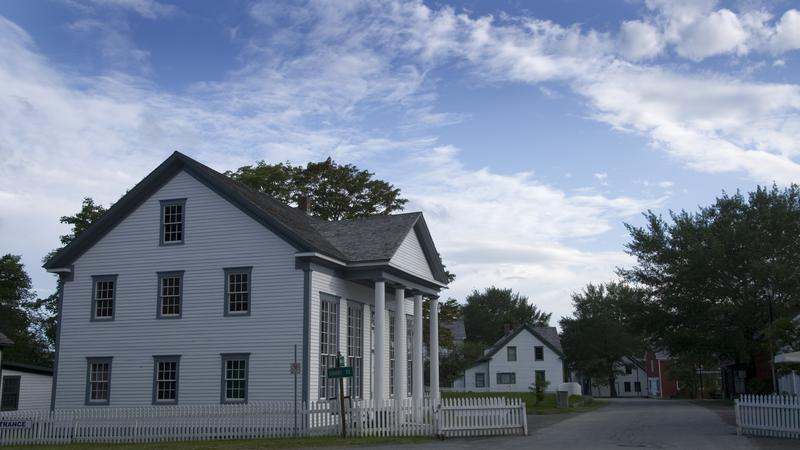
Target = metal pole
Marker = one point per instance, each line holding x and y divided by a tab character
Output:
295	392
771	347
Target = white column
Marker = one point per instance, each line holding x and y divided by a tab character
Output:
434	350
380	342
400	353
416	376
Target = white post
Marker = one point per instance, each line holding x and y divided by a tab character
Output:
400	354
416	376
434	351
380	353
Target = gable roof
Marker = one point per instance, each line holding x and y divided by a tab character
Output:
547	335
5	341
374	238
457	328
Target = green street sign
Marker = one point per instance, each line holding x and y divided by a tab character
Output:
340	372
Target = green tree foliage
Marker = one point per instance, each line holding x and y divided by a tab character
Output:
487	313
16	321
338	191
601	332
457	359
45	310
714	277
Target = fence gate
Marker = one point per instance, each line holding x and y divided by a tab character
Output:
481	417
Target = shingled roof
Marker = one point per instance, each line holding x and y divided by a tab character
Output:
4	341
371	239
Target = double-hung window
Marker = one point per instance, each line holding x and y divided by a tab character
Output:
511	353
480	379
165	379
506	378
9	399
328	343
238	291
540	377
627	386
104	288
98	381
235	370
170	294
538	353
355	347
173	221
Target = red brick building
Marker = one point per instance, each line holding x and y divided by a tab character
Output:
659	382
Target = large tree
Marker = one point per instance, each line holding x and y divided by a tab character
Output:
45	310
337	191
487	313
16	319
717	277
602	331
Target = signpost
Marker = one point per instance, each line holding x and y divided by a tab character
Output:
295	369
341	372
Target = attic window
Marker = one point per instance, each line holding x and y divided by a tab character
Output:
173	220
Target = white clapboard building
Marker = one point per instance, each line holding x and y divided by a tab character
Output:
194	289
517	360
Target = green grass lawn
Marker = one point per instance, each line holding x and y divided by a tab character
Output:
546	406
243	444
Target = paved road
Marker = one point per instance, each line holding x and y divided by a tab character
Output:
631	423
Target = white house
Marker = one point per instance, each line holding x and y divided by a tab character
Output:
630	380
516	361
25	387
194	289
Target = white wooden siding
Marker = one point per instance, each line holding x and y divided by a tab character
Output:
217	235
637	374
469	378
34	389
321	281
526	365
409	257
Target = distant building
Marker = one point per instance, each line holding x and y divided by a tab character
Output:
660	383
25	387
630	381
516	361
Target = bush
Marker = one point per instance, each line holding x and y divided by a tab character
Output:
759	386
538	390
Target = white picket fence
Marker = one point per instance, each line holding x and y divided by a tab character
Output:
458	417
452	417
768	415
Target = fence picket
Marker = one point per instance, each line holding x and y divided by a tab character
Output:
768	415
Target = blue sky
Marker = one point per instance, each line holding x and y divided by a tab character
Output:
528	132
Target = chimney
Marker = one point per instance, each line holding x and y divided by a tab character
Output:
304	204
506	328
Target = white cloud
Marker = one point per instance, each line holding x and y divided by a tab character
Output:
150	9
787	32
639	40
717	33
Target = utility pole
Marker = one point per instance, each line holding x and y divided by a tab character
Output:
770	295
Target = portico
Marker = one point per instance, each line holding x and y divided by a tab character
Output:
399	376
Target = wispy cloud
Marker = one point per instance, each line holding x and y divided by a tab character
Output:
307	87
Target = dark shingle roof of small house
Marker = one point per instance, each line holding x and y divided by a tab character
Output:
375	238
457	328
5	341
